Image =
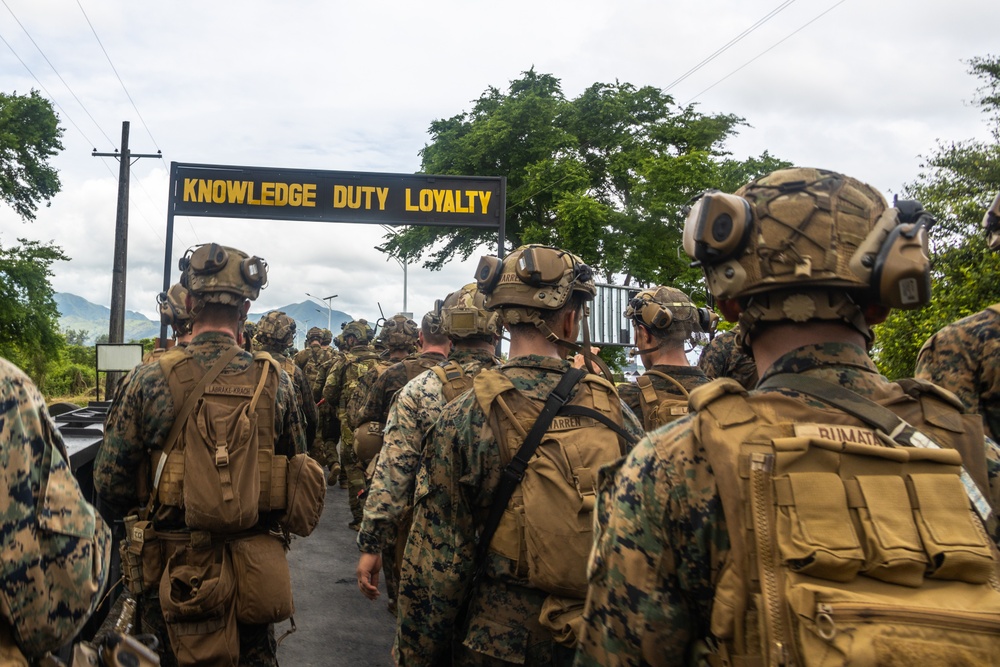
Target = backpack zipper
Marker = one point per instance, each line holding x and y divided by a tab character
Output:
761	466
828	614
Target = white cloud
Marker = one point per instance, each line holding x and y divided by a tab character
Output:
865	89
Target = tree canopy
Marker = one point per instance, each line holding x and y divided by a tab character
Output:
957	183
29	136
606	175
29	332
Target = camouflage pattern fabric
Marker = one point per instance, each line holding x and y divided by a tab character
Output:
689	377
416	408
375	406
457	478
312	360
139	422
661	534
304	394
341	382
56	548
724	357
364	387
964	357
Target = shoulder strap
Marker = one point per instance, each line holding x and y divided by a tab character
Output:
888	425
680	387
185	412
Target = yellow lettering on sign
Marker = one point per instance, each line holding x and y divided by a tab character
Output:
243	192
432	200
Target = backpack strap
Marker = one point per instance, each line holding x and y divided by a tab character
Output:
185	412
888	425
678	385
513	473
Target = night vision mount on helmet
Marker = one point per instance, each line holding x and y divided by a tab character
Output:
463	315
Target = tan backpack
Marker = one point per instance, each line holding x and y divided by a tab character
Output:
547	527
849	547
221	469
454	380
660	407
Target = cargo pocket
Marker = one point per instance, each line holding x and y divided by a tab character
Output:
197	594
815	532
893	551
955	546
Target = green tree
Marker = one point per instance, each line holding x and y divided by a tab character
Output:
956	183
606	175
29	333
29	136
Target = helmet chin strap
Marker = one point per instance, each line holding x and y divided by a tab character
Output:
589	358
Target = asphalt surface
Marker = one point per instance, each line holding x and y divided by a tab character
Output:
336	625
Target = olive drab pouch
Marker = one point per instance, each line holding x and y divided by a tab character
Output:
660	407
547	528
198	594
264	585
306	492
848	548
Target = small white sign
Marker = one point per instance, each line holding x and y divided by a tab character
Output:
118	356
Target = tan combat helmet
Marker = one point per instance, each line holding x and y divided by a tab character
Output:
802	244
991	223
359	329
399	333
327	337
533	278
463	315
217	274
275	330
669	315
173	309
314	334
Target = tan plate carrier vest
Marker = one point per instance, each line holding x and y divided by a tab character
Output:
846	549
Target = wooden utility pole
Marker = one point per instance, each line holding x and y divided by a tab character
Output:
116	330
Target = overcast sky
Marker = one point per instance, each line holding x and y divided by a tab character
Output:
861	87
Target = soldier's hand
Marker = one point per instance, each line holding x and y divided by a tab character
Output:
369	565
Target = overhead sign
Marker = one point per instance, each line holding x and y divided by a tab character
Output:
336	196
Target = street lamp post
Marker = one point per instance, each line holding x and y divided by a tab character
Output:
402	263
329	308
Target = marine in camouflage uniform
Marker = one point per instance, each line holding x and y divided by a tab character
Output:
724	357
140	420
341	382
662	540
274	333
964	356
315	361
458	477
664	320
55	546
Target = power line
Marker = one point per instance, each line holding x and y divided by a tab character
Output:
78	100
767	17
768	49
141	119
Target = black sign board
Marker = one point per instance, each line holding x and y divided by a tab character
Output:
336	196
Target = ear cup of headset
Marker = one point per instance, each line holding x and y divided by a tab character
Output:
717	227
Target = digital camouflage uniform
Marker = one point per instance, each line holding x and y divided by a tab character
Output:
964	357
341	382
56	548
455	485
390	494
138	423
375	405
304	395
661	526
689	377
724	357
315	362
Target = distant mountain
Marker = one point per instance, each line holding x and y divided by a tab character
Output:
76	313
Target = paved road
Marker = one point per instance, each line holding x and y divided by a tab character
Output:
336	625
